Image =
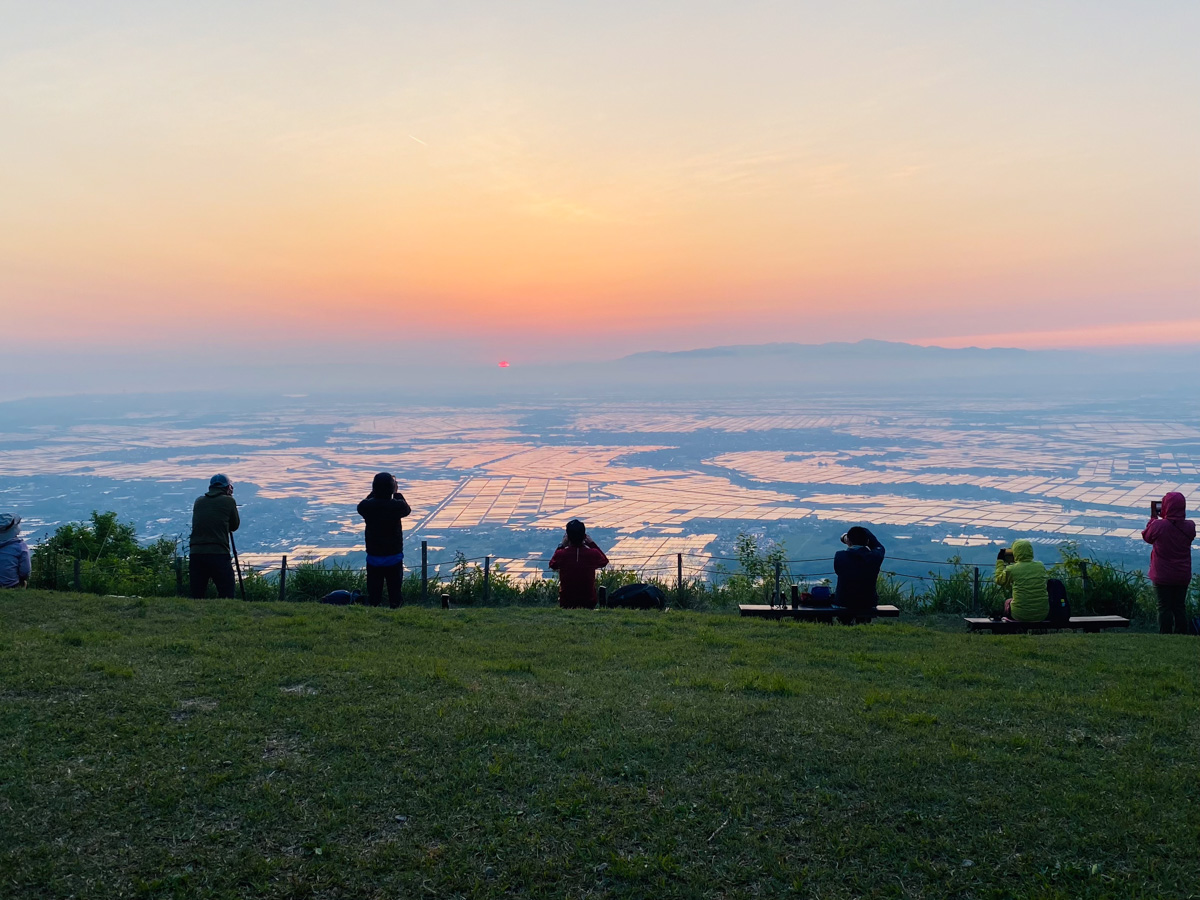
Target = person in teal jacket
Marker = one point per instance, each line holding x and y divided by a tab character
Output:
1026	577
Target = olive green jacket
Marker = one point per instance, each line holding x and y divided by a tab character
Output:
1027	578
214	516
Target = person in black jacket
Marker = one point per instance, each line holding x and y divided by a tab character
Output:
382	510
857	569
214	519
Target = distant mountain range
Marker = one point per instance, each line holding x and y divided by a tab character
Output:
834	349
898	369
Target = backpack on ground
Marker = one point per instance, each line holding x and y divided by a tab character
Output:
1060	606
638	596
342	598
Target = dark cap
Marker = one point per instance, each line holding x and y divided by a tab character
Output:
219	481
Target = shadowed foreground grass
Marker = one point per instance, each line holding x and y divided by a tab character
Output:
216	749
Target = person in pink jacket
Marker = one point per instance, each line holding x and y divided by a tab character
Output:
1170	535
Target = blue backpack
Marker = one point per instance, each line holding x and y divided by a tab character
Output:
1060	606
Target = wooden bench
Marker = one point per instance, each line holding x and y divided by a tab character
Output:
819	613
1090	624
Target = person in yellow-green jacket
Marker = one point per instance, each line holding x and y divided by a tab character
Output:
1026	577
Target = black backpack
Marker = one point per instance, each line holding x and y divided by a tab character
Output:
1060	606
638	596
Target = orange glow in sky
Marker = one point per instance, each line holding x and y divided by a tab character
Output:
598	179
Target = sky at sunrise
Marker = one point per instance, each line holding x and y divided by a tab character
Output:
536	181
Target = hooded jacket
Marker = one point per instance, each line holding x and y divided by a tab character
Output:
1027	578
1171	539
14	561
214	517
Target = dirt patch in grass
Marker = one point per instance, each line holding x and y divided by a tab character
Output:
299	690
279	747
188	708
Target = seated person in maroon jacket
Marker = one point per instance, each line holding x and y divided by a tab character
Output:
576	561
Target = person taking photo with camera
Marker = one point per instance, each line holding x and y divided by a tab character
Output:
214	519
1017	570
382	511
1170	537
857	569
576	561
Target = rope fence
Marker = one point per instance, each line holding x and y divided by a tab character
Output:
680	571
685	575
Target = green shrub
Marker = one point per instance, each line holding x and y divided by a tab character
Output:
311	581
893	592
111	561
1108	589
259	587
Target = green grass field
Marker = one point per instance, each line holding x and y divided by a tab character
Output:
176	748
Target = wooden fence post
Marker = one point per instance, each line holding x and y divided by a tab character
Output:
795	596
78	578
178	576
679	578
445	601
283	580
424	571
975	591
487	579
777	597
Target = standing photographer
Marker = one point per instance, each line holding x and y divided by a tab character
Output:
214	519
1170	536
382	510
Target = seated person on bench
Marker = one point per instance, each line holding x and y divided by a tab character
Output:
1018	570
857	570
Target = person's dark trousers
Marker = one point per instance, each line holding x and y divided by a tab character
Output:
394	576
1171	598
217	566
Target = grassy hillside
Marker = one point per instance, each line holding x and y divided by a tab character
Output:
168	747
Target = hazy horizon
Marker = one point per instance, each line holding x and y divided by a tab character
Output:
751	370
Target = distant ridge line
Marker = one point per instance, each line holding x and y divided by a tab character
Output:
866	347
